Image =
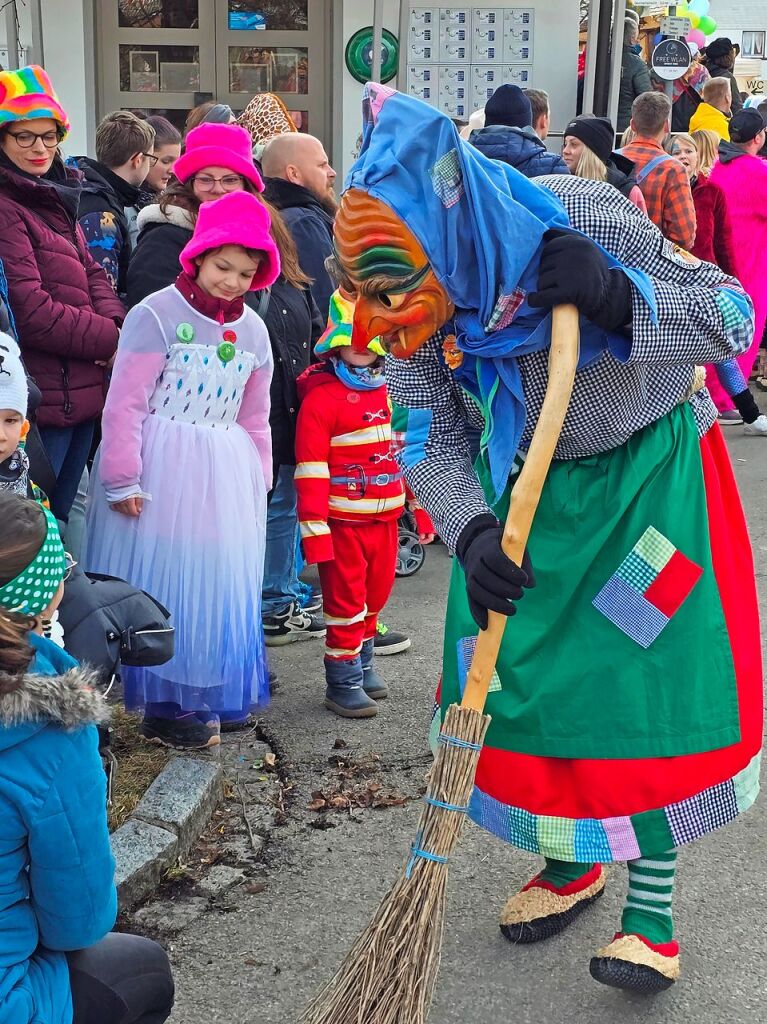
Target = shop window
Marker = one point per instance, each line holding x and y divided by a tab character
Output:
283	69
159	68
270	15
158	13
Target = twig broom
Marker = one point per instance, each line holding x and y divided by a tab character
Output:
389	975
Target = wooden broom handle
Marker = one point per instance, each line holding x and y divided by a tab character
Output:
526	493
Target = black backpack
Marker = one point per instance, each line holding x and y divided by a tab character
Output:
107	622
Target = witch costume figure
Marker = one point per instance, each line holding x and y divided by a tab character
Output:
627	705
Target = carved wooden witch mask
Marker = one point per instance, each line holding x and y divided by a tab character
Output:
398	296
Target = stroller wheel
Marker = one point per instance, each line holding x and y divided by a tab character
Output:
410	554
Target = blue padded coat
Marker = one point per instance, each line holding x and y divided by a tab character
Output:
57	888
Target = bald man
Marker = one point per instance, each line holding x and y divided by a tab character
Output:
299	182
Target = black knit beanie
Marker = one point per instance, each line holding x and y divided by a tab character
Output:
595	132
508	105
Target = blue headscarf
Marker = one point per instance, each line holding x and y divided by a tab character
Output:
481	224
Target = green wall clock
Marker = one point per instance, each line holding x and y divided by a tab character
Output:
359	55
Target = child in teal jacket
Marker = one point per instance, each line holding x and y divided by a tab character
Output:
57	894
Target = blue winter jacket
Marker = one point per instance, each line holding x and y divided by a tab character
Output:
57	888
519	147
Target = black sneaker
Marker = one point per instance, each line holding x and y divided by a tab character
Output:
184	733
386	641
292	624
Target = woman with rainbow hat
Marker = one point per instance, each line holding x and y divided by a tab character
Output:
67	316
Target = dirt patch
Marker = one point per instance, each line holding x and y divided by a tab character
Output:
138	765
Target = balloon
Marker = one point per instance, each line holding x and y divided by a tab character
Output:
657	38
693	48
682	10
707	25
700	7
697	37
694	19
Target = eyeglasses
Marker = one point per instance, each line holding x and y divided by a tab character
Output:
69	564
206	182
26	140
151	158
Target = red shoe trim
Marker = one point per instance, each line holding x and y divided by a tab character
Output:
669	949
571	888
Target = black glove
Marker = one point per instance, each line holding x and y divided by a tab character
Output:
493	581
573	269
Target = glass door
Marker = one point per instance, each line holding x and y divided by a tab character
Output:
166	56
274	46
156	55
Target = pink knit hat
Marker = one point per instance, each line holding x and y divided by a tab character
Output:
218	145
237	218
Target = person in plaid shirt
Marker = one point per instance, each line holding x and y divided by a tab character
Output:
662	179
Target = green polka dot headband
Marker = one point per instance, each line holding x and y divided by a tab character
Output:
34	588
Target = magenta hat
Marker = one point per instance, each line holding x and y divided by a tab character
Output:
218	145
237	218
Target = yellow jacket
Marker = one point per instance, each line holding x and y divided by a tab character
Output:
709	117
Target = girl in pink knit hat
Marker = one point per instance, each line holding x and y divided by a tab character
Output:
178	500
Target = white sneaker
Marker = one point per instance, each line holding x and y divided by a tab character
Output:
758	427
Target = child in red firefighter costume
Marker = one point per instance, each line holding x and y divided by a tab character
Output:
350	495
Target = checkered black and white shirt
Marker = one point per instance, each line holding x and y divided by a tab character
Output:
702	318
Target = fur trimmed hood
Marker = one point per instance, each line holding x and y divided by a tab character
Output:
70	700
175	215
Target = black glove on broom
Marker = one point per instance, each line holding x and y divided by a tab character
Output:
493	581
572	269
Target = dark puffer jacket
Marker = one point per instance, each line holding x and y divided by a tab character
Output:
294	325
154	263
311	226
620	173
519	147
66	313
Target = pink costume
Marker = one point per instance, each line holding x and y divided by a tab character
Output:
186	427
743	179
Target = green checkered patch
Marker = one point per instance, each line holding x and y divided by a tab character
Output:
731	315
654	548
557	836
636	572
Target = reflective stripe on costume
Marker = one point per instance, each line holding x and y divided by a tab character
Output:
312	471
335	620
366	435
314	529
362	505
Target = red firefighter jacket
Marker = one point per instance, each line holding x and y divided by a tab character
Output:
344	463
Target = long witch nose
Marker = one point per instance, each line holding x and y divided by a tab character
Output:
366	325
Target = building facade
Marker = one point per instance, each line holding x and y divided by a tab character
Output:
165	56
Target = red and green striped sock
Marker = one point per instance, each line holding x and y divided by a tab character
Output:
562	872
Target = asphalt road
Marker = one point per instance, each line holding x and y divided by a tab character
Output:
260	960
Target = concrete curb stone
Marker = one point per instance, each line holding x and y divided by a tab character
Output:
165	825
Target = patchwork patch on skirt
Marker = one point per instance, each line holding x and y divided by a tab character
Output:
648	588
466	646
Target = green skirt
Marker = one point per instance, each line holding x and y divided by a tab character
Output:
615	691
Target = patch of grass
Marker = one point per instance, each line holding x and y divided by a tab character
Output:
138	765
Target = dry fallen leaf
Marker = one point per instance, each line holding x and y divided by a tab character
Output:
270	760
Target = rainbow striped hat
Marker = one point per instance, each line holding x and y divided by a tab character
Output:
28	93
338	333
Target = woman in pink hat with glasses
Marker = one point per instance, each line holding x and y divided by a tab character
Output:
218	157
178	494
